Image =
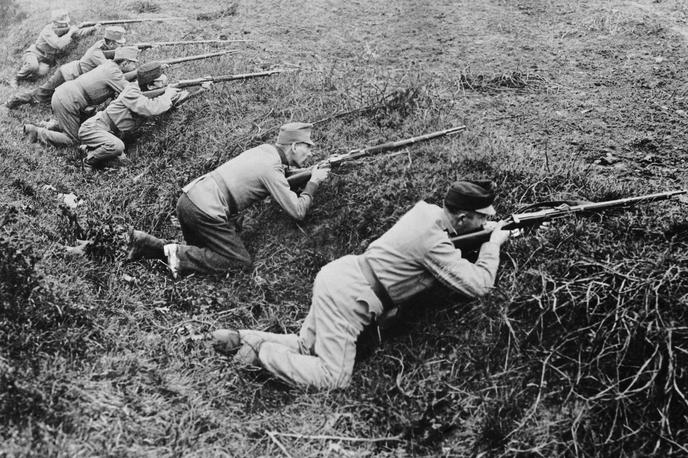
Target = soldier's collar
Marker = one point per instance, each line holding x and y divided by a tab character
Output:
282	156
447	223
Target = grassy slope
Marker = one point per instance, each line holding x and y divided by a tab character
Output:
546	364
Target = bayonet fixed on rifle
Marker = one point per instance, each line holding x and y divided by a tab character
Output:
536	217
302	176
127	21
156	44
179	60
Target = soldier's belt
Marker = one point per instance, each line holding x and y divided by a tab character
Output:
374	283
111	124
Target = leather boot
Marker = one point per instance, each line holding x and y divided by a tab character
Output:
144	246
226	341
31	131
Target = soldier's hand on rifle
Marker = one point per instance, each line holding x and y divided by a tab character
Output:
172	92
498	235
206	85
319	174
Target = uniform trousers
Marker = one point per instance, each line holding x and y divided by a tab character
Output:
32	67
213	245
67	107
322	355
96	134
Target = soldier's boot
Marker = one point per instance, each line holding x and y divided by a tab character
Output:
50	124
31	131
20	99
144	246
226	341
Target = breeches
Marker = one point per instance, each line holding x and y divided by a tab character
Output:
323	355
96	134
213	245
67	111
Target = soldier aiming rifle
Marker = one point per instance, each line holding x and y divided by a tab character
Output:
94	56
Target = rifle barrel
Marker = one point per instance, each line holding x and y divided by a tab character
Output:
222	78
128	21
179	60
401	143
520	220
354	154
186	42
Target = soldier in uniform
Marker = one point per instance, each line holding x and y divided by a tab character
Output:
90	89
52	41
348	292
100	135
208	205
94	56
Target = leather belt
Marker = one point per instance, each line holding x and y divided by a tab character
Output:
375	284
87	97
231	203
111	124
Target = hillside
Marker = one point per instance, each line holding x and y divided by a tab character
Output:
581	349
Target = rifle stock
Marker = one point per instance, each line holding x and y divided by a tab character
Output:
522	220
300	177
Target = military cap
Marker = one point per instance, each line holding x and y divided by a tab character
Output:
127	52
115	33
60	17
476	196
148	72
295	132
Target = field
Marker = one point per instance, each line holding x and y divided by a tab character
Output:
580	350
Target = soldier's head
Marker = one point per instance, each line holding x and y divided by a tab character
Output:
60	20
294	139
468	205
150	76
127	57
114	37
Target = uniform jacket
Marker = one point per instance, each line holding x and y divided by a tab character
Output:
48	44
417	251
131	106
94	87
248	178
92	58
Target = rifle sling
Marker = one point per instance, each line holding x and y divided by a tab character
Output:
374	282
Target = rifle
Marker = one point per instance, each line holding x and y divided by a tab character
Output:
301	176
222	78
205	79
156	44
537	217
179	60
127	21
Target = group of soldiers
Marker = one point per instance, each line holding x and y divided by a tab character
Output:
348	293
108	70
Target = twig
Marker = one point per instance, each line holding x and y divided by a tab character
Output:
398	437
272	434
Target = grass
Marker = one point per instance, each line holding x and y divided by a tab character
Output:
580	350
